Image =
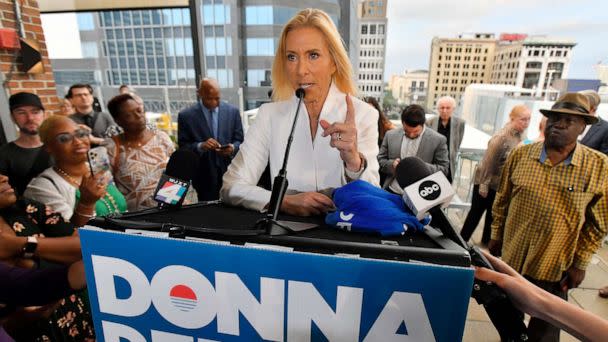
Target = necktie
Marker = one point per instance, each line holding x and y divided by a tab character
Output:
88	120
214	122
410	149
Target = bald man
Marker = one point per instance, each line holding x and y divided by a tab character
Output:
213	130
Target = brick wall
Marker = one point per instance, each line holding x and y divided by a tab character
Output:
10	63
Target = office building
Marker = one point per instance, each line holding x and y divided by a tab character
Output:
410	87
372	47
531	62
458	62
152	50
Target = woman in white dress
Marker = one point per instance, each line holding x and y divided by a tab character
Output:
336	134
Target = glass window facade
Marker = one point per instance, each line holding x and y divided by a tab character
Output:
223	76
85	21
258	77
140	42
217	14
260	47
89	50
258	15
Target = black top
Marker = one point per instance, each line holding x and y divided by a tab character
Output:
30	218
22	287
22	164
445	130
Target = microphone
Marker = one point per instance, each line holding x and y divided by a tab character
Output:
424	191
279	187
175	181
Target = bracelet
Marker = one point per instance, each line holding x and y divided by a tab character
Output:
86	206
84	215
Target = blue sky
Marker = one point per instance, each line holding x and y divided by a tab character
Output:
413	24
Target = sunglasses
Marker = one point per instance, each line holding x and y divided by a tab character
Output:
65	138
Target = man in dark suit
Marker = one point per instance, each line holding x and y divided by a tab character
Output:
450	127
413	140
596	135
213	130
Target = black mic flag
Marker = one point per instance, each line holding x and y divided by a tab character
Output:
175	181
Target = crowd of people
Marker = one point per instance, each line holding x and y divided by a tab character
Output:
545	200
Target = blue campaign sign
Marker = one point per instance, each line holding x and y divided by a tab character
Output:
145	288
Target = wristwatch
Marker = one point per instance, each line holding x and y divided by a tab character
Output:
30	247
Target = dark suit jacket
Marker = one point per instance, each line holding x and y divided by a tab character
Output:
597	137
194	127
456	134
433	150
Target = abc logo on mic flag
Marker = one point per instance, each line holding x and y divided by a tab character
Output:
428	192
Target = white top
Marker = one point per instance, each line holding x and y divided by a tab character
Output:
409	148
312	165
57	194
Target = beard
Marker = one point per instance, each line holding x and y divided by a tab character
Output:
29	131
555	143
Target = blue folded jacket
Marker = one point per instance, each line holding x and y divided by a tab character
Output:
362	207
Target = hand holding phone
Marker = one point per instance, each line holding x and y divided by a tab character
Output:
99	162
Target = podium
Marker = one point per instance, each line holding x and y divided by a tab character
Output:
317	285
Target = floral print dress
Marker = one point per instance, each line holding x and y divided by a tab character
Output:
71	320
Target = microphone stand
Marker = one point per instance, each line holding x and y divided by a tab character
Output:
279	186
507	320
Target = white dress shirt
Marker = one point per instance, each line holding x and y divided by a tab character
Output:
409	148
313	164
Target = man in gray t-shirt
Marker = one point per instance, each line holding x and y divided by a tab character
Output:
81	96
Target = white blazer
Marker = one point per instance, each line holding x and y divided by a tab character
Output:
312	165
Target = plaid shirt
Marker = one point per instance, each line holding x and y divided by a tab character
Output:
551	217
500	145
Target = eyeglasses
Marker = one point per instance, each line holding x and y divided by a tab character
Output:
65	138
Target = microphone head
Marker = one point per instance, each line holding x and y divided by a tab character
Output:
182	165
410	170
300	92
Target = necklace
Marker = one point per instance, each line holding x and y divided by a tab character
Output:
113	207
137	144
67	176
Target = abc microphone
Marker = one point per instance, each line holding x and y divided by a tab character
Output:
175	181
423	192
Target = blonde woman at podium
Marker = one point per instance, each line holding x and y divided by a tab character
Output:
336	135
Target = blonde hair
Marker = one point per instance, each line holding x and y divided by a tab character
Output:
517	111
48	125
315	18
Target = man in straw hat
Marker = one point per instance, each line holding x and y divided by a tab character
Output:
551	209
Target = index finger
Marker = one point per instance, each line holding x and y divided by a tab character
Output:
350	111
499	265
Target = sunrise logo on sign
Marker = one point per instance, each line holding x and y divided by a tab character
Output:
183	298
